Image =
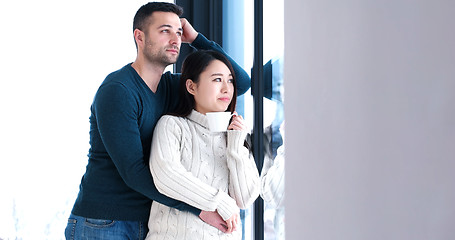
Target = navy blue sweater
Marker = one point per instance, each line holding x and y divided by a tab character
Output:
117	184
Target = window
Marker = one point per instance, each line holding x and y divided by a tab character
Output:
239	40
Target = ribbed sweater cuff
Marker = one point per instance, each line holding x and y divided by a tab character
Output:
227	205
236	139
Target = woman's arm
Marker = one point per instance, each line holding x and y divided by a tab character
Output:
172	179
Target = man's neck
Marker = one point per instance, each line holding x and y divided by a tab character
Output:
150	73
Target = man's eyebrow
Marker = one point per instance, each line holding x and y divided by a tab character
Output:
169	26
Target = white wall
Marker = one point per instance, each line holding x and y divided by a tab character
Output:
370	119
53	56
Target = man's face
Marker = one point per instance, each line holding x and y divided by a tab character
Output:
163	38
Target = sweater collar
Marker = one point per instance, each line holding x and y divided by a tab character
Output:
198	118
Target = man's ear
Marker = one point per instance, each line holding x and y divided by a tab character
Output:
139	37
190	86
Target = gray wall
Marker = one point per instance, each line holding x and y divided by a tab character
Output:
370	119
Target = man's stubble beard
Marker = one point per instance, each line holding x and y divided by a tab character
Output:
159	57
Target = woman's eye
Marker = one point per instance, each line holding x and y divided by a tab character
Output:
217	79
230	80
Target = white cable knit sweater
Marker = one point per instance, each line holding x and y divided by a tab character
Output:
210	171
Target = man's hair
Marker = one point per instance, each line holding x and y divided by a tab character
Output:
192	67
142	15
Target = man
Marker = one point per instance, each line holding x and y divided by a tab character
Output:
117	189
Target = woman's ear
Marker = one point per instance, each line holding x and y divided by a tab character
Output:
190	86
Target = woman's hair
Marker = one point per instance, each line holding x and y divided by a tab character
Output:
193	65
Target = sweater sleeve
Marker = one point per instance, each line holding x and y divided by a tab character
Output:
242	77
244	181
116	116
172	179
272	179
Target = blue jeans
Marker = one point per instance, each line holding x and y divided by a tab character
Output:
80	228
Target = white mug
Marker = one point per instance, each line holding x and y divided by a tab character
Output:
218	121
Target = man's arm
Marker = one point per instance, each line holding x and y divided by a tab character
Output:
116	115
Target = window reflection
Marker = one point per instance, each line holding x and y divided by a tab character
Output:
272	174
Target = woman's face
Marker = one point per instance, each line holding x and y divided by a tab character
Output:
214	91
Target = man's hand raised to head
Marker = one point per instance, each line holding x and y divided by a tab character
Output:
189	33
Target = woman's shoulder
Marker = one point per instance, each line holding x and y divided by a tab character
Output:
169	125
168	117
170	121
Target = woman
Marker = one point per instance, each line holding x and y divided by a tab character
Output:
212	171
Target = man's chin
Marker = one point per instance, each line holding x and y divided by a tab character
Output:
173	60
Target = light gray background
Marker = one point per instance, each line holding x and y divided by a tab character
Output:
370	119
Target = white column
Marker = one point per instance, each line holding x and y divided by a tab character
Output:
370	119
